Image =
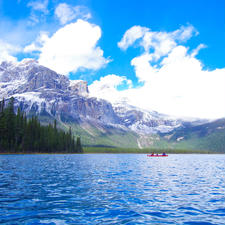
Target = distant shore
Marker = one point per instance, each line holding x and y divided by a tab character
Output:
99	150
144	151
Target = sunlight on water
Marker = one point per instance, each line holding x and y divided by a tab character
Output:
112	189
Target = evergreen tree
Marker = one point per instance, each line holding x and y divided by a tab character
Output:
19	134
78	145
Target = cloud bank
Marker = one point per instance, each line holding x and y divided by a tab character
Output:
174	80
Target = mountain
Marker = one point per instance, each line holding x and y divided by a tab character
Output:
40	91
144	122
208	136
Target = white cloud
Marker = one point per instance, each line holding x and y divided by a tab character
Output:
39	10
144	71
73	47
82	12
37	44
66	13
7	51
195	51
41	6
131	36
107	87
184	33
161	43
182	88
174	81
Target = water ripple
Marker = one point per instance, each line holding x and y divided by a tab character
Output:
112	189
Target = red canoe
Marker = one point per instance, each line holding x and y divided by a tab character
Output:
157	155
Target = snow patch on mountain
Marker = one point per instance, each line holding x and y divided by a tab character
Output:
142	121
30	97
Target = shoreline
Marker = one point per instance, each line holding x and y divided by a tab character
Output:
109	152
116	150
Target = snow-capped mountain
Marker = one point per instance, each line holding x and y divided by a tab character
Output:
143	121
39	90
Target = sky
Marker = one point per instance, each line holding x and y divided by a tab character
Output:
164	55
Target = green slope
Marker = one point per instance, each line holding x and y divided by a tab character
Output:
210	136
102	136
95	134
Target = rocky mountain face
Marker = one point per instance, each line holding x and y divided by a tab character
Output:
40	91
144	122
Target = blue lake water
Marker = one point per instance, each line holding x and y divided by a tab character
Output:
112	189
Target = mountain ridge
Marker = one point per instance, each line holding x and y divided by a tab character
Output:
40	91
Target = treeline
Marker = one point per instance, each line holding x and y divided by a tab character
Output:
19	134
143	151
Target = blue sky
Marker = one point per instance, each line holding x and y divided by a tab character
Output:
81	40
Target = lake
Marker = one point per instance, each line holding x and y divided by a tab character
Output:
112	189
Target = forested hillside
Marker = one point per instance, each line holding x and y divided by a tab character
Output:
209	136
19	134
